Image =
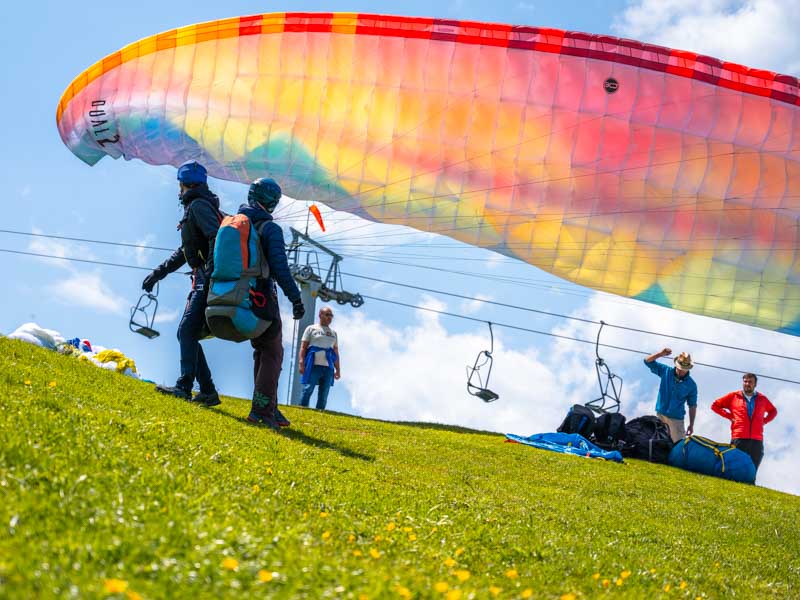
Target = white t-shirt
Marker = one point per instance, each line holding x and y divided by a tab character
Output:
322	337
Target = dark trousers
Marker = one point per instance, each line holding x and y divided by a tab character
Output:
753	448
267	361
190	330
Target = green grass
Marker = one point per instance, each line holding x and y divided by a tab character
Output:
101	478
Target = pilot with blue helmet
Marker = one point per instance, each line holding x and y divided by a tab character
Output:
198	227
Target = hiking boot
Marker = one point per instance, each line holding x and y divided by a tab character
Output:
280	419
175	390
263	419
208	400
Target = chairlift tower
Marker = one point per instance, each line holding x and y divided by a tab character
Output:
308	276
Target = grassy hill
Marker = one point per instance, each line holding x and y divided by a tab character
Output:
111	490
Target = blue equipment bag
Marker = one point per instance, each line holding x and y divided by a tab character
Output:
708	457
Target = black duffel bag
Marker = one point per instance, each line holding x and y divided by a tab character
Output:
609	430
647	438
579	420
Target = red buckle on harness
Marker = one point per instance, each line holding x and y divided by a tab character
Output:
259	299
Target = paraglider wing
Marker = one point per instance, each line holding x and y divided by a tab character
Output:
633	169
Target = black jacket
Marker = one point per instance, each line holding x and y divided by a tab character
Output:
198	227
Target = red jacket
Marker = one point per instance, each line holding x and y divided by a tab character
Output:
733	407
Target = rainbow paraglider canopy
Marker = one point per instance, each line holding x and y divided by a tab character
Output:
633	169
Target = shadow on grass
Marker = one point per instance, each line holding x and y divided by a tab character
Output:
299	436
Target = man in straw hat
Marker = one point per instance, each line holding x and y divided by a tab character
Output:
677	390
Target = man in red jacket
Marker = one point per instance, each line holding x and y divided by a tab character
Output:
748	411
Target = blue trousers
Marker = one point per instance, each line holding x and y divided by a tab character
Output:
322	378
190	331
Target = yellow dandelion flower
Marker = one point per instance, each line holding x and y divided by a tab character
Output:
115	586
625	574
403	592
230	564
512	574
526	593
454	595
264	576
391	527
596	576
358	553
148	456
51	384
374	553
27	382
449	562
133	596
462	575
459	552
606	583
326	535
378	538
667	587
652	571
269	470
716	565
683	585
256	488
619	581
412	537
568	596
323	515
363	597
441	586
408	529
351	538
433	530
494	590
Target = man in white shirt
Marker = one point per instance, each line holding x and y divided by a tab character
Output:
319	359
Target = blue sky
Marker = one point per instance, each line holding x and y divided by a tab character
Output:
397	363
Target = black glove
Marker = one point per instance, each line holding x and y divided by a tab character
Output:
151	280
298	310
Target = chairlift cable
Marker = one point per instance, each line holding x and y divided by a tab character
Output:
460	296
424	308
563	337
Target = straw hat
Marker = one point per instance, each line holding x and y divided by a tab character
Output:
684	361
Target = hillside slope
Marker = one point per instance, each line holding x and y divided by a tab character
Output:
111	489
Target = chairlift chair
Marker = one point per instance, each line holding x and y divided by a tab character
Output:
143	315
484	359
609	401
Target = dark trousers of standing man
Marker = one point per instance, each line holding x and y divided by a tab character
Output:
190	331
267	361
753	448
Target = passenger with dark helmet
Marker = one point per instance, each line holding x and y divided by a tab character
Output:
262	199
198	227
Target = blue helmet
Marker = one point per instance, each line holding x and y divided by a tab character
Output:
266	192
192	172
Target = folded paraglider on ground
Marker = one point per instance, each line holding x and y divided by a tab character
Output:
82	349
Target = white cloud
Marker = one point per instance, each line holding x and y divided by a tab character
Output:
527	6
470	307
167	315
87	290
757	33
142	256
61	248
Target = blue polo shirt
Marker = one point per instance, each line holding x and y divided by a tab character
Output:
673	393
